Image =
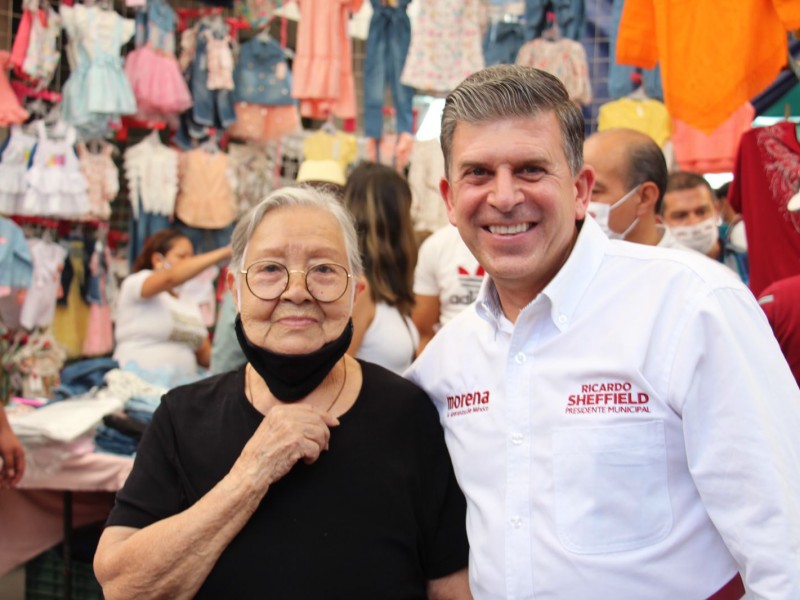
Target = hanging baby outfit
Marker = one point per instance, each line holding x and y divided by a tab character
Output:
323	66
564	58
97	91
151	171
445	45
43	55
152	68
206	199
14	158
40	301
265	109
99	334
56	186
102	177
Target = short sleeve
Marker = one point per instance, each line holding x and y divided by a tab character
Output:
425	283
152	491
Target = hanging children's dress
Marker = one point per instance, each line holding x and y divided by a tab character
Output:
323	65
14	157
206	198
102	176
43	55
40	301
97	91
152	68
99	334
446	45
11	113
56	186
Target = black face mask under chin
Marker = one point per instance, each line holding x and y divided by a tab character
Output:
291	377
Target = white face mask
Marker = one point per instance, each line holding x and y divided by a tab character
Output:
601	213
700	237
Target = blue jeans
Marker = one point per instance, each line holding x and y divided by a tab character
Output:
80	377
619	76
502	42
387	46
570	16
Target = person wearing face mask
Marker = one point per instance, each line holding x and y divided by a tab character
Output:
630	179
689	212
304	474
154	327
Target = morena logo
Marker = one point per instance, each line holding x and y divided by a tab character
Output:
470	402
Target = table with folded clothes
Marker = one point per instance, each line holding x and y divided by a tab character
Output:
79	449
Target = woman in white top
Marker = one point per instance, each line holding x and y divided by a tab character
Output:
154	328
380	201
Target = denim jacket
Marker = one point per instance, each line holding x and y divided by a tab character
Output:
256	76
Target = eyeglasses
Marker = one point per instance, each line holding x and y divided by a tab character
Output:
267	280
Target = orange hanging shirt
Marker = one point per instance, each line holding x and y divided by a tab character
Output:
715	55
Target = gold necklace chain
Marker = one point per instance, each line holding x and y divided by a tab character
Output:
330	406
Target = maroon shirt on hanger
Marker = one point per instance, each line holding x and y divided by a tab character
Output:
767	175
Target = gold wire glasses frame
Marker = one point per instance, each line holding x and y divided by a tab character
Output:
325	282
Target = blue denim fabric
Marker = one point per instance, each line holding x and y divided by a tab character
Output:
387	47
502	42
212	108
80	377
570	16
226	354
619	76
142	228
15	256
113	441
206	240
146	416
255	78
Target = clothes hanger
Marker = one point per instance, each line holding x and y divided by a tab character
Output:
638	92
553	32
329	126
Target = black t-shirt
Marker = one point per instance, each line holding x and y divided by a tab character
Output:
377	516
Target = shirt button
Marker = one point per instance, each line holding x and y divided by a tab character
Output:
562	319
517	439
520	358
516	522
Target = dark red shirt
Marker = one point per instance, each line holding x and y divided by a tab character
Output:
781	303
767	175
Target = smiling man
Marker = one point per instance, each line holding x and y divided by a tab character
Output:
608	420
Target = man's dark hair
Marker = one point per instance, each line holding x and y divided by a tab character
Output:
686	180
646	163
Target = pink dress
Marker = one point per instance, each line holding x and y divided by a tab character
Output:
323	65
11	113
155	76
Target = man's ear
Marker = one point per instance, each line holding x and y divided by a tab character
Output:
649	195
447	196
584	182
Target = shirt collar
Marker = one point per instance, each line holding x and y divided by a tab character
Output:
565	290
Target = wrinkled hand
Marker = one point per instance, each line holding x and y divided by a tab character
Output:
288	433
13	457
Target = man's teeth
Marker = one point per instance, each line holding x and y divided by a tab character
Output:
509	229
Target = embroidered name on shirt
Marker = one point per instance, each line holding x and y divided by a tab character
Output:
607	398
465	404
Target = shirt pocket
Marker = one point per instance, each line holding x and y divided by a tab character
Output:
611	488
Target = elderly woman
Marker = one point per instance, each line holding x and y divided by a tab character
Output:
304	474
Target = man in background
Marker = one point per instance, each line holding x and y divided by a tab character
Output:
690	213
631	177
